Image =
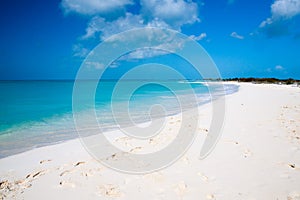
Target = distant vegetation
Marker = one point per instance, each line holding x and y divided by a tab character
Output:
265	80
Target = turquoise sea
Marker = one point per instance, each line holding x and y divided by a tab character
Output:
39	113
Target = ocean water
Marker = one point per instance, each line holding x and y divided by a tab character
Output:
39	113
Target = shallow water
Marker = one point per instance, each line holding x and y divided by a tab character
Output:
39	113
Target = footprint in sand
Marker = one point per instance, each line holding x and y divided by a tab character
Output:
157	177
185	160
231	141
210	196
247	153
110	190
135	150
152	141
67	184
294	196
79	163
8	189
180	189
87	173
44	161
203	177
66	172
290	165
124	141
36	174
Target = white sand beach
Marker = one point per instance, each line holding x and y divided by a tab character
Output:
257	157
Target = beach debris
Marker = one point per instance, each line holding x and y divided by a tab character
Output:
43	161
79	163
110	190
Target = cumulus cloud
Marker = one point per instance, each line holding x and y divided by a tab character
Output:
114	16
173	12
274	28
107	28
199	37
94	65
235	35
282	13
92	7
155	13
285	8
80	51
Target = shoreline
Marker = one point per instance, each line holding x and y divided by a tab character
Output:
64	135
257	157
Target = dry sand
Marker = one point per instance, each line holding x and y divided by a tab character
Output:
257	157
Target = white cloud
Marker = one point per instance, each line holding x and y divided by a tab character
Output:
170	44
235	35
266	22
113	65
112	16
92	7
285	8
108	28
282	11
175	13
80	51
143	53
94	65
279	67
199	37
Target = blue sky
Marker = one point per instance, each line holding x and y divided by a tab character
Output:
49	39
